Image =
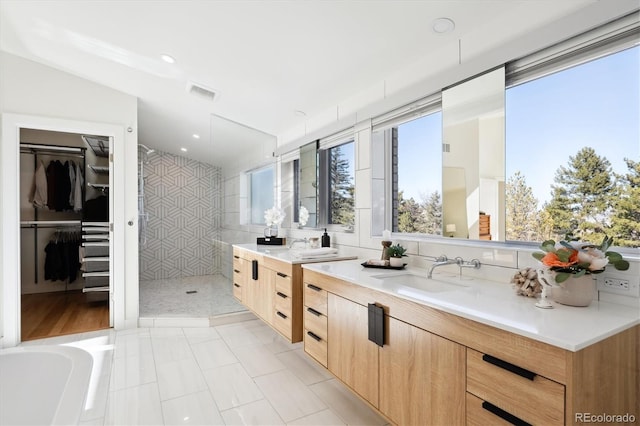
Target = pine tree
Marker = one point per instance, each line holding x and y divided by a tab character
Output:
342	192
432	214
625	222
522	210
408	214
582	196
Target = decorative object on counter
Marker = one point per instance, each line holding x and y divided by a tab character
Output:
385	250
547	284
314	242
526	283
303	216
271	241
326	240
451	229
571	264
381	264
273	218
396	253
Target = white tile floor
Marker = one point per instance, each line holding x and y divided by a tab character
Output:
235	374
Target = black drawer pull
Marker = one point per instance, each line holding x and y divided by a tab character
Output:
236	285
313	287
314	336
236	257
236	271
254	270
284	296
280	274
504	414
509	367
314	312
281	315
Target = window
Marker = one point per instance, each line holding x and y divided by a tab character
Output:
416	169
261	192
337	190
573	152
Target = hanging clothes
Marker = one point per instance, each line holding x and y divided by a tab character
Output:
62	259
38	194
79	184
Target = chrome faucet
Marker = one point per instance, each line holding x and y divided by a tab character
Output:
299	240
442	261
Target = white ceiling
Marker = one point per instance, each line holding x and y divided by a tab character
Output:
264	59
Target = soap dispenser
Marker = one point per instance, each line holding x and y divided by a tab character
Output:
326	240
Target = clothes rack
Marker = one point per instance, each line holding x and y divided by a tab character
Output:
50	150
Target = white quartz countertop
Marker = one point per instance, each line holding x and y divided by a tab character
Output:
496	304
283	253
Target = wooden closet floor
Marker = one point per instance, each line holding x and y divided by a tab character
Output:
59	313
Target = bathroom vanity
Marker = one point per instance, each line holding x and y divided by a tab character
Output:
452	351
268	281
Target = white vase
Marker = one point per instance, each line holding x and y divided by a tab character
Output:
575	291
271	231
396	262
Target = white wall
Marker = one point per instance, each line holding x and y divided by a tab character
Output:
36	96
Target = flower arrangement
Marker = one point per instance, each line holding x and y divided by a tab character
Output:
303	216
274	216
573	258
397	251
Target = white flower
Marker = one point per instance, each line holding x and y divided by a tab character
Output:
303	216
274	216
594	257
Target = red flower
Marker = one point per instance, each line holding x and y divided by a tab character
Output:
552	259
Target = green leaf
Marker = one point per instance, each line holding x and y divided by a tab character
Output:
548	246
562	277
567	245
538	255
621	265
584	265
580	273
563	255
613	256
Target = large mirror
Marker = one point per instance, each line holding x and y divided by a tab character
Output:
309	181
473	160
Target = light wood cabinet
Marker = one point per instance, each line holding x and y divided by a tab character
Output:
239	276
351	356
422	377
439	368
315	322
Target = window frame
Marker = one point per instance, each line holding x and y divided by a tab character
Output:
250	203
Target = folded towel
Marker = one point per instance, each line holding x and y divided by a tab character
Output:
315	253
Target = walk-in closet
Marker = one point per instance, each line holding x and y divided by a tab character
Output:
65	233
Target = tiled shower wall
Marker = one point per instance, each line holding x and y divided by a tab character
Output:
183	199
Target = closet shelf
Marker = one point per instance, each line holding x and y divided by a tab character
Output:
99	170
100	186
95	289
99	144
48	223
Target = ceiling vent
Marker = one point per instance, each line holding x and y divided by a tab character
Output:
201	91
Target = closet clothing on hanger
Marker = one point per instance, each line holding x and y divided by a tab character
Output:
62	184
38	194
62	258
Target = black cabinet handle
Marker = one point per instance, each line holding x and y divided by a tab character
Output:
314	336
284	296
509	367
236	257
314	312
236	285
254	269
280	274
236	271
376	324
314	287
505	415
281	315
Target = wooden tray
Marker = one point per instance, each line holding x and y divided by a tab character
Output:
366	265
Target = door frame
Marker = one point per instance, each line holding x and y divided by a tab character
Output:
10	283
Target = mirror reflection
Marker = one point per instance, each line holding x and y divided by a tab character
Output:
473	176
309	181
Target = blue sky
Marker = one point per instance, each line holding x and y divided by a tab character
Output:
547	120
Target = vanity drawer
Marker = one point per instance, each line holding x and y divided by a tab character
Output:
316	322
282	303
521	393
479	413
315	297
237	291
283	283
315	346
282	322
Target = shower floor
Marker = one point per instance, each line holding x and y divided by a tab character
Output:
173	298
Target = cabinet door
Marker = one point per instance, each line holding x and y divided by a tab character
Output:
351	356
422	377
239	277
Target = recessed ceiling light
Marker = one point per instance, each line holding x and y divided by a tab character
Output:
196	136
443	25
168	58
183	149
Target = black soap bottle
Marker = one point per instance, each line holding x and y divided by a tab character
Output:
326	240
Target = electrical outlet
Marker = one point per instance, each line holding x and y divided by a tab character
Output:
622	286
616	283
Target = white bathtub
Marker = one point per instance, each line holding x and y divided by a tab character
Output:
43	385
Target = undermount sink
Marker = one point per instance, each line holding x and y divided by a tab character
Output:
419	282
